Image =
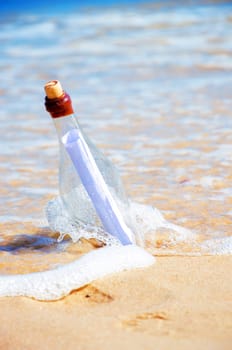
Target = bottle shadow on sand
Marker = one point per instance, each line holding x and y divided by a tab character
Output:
43	240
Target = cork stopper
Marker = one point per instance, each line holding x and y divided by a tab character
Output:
53	89
57	101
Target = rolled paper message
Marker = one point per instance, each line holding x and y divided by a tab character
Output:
93	181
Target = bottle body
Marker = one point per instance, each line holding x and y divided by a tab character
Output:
72	192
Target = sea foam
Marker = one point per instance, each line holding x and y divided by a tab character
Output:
218	246
55	284
114	257
144	220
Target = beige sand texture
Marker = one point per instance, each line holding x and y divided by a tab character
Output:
178	303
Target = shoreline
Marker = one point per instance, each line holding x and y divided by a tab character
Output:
178	303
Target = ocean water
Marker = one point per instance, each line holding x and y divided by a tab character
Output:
150	83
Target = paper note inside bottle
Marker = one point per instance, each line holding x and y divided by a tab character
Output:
96	187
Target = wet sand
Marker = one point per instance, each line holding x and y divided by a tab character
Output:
178	303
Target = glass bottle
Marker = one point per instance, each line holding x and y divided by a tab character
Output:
75	197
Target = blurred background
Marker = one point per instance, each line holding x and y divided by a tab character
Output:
151	84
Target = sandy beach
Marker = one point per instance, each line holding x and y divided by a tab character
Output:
178	303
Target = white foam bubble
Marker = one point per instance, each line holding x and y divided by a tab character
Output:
55	284
146	220
143	220
218	246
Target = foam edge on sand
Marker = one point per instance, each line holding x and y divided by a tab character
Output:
55	284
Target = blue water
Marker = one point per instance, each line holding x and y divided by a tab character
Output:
25	6
65	6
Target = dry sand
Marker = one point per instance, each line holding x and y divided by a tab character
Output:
178	303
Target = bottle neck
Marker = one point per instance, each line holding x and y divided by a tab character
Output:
61	111
64	124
